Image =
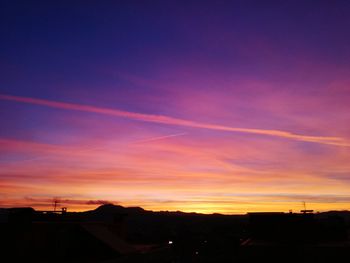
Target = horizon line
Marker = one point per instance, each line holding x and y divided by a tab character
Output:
176	211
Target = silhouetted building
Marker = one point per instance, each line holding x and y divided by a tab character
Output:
45	236
276	237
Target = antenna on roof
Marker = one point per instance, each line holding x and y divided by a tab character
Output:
55	201
305	210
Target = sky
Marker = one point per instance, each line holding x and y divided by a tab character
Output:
199	106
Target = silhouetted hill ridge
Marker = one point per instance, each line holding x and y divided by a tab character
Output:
111	209
108	209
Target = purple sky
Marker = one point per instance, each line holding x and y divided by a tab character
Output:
208	106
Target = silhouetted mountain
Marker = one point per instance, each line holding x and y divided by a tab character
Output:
110	212
110	208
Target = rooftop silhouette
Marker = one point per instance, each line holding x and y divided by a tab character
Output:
117	233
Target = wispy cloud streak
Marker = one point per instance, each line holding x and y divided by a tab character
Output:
337	141
161	137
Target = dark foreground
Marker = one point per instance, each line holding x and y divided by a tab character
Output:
117	234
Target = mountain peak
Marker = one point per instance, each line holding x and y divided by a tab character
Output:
111	208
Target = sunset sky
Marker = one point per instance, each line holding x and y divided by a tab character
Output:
205	106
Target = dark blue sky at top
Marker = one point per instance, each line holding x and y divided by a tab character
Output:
74	42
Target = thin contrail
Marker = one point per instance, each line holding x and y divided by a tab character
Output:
91	149
176	121
162	137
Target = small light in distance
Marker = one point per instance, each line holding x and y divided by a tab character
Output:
170	242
